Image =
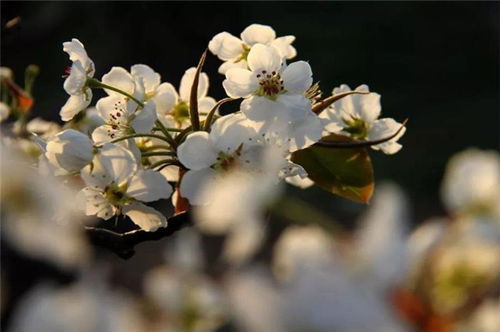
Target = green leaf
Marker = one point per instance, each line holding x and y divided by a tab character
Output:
345	172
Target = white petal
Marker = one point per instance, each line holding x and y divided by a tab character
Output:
284	47
384	128
305	133
381	239
149	186
332	120
165	98
344	107
297	77
240	83
74	105
139	91
262	109
104	134
297	181
118	162
197	151
258	33
114	109
192	184
205	105
230	131
77	52
41	126
147	218
171	173
297	107
145	118
119	78
262	57
187	83
96	204
70	150
95	176
76	80
169	122
150	77
224	67
225	46
243	242
370	106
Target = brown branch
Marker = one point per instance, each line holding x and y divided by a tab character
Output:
323	104
208	119
360	144
123	244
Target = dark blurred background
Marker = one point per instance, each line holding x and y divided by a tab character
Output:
434	63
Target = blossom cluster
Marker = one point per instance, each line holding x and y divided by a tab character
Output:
147	141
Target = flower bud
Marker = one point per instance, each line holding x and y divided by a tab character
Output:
70	150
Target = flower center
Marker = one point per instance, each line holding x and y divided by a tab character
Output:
227	161
115	195
270	84
244	53
356	127
180	112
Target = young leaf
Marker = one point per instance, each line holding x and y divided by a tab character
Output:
345	172
321	105
193	102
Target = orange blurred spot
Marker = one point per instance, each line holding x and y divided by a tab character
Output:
411	307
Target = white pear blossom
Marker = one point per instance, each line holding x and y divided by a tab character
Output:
173	109
234	51
176	293
300	248
271	89
37	218
238	202
70	150
472	180
85	306
76	82
43	128
116	185
122	116
357	116
163	94
232	144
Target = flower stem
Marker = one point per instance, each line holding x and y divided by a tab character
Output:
156	147
158	153
95	83
139	135
164	161
165	132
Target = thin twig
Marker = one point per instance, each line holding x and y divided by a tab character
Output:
359	144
